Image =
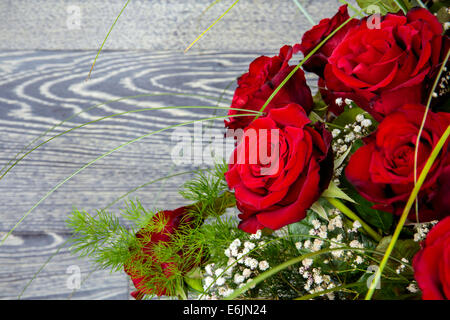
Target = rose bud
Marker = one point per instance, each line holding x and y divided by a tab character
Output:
151	271
280	167
432	263
263	77
383	169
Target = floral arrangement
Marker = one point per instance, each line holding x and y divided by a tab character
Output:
344	194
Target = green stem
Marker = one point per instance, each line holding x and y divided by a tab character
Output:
350	214
406	210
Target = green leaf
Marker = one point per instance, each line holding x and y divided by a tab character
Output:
320	210
403	249
384	6
376	218
194	283
349	116
333	191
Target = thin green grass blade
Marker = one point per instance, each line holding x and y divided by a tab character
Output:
107	35
112	116
406	210
422	125
212	25
94	107
103	156
305	13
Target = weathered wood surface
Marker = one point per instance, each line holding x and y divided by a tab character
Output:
39	89
155	24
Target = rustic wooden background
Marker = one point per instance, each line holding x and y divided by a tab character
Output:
46	50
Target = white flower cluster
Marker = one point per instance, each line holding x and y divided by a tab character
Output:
240	268
344	138
315	280
422	230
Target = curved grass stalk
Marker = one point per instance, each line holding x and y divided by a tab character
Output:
104	40
305	13
103	156
94	107
112	116
212	25
422	125
406	210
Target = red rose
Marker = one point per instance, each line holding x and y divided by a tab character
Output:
316	63
303	169
432	263
264	76
383	169
383	68
160	230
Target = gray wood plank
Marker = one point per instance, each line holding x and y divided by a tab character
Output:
155	24
39	89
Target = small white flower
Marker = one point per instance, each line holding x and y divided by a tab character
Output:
307	244
355	244
256	236
222	291
227	252
356	225
366	123
412	288
359	260
249	245
350	137
348	101
220	281
335	132
253	264
207	282
218	272
298	245
208	269
357	129
317	245
246	273
263	265
236	243
360	117
316	223
238	278
307	262
339	101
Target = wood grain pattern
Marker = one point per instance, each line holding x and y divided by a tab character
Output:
39	89
155	24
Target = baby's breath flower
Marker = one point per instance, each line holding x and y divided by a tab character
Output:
249	245
307	262
246	273
366	123
238	278
263	265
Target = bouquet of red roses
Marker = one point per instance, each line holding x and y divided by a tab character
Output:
342	193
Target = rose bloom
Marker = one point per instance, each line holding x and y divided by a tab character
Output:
383	68
432	263
383	169
316	63
275	193
263	77
160	230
